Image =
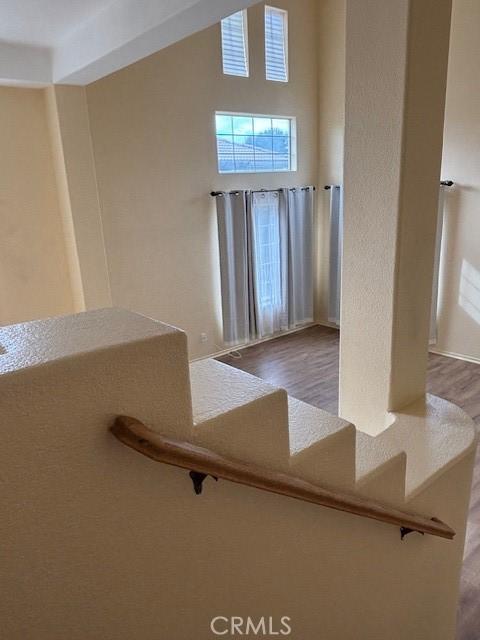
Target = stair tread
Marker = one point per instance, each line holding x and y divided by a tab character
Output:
35	343
309	426
218	388
374	454
435	433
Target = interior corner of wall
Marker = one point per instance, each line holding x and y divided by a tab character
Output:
63	197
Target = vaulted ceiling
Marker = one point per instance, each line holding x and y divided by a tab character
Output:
79	41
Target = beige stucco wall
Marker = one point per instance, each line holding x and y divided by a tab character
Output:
77	186
59	165
459	311
153	135
331	124
34	273
160	227
97	541
395	96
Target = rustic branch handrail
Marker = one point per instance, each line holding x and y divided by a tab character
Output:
204	462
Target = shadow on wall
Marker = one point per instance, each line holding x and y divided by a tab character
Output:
469	297
459	283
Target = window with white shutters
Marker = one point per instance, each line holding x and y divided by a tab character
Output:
276	44
235	44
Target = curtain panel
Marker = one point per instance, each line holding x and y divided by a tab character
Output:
266	261
336	249
436	266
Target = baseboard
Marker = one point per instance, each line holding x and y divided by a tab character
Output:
326	323
240	347
448	354
457	356
321	323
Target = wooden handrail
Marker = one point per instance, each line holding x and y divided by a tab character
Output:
204	462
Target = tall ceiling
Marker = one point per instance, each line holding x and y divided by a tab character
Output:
79	41
44	23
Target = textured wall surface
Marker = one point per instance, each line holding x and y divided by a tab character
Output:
34	273
459	308
77	186
154	140
394	110
459	318
331	125
97	541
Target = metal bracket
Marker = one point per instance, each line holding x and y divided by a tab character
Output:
404	531
197	479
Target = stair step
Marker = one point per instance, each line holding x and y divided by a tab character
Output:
322	446
434	433
380	468
239	415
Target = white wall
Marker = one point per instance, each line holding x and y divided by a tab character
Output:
34	272
154	142
459	317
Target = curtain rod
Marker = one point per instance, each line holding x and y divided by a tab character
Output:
221	193
444	183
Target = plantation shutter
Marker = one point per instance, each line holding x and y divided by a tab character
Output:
234	44
276	54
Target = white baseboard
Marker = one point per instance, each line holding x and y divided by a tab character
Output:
457	356
448	354
321	323
240	347
326	323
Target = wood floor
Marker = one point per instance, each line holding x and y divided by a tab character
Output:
306	365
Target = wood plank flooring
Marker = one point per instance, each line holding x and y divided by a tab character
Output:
305	363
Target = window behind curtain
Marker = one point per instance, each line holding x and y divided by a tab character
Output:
267	249
234	44
276	44
266	261
270	262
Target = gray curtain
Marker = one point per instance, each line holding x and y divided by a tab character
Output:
336	248
300	255
436	266
234	266
266	261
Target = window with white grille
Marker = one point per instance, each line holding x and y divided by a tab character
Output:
235	44
276	44
253	143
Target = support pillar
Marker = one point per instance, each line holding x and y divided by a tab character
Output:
396	66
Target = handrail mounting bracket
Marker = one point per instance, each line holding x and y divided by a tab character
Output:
197	479
404	531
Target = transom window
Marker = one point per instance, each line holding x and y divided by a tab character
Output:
276	44
235	44
251	143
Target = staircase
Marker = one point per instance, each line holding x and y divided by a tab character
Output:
115	545
245	418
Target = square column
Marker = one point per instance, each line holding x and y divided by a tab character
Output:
396	67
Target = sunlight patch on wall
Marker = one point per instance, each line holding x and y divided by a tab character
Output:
469	298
